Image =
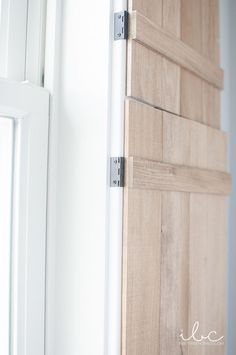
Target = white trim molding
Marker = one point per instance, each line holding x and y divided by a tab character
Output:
35	48
115	209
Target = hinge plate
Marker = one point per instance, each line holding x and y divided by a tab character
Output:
117	172
121	25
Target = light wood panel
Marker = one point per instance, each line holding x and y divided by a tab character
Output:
176	180
184	141
153	36
176	140
170	86
191	96
200	101
210	30
156	135
144	74
141	272
216	150
152	9
190	143
148	174
210	105
191	23
152	78
174	272
172	16
207	256
143	131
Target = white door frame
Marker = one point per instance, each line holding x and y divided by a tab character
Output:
85	73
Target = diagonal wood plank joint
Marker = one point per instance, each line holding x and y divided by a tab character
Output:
144	31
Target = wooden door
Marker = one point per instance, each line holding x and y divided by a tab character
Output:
175	223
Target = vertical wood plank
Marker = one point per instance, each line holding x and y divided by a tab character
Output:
191	96
215	270
144	74
170	86
211	105
198	145
141	272
176	140
171	16
207	269
152	9
210	30
174	272
197	253
152	78
143	131
191	23
184	141
216	150
191	143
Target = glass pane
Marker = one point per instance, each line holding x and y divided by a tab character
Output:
6	181
3	36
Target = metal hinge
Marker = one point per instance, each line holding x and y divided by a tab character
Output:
117	172
121	25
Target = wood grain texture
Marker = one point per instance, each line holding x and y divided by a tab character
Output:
144	74
210	105
170	95
210	30
172	16
148	174
141	272
152	9
174	271
174	223
216	150
176	140
152	78
161	136
143	131
190	143
191	23
191	96
207	274
153	36
184	141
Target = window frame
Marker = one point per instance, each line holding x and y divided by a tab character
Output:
22	40
28	106
6	174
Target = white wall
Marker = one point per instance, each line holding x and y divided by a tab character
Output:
78	77
228	62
